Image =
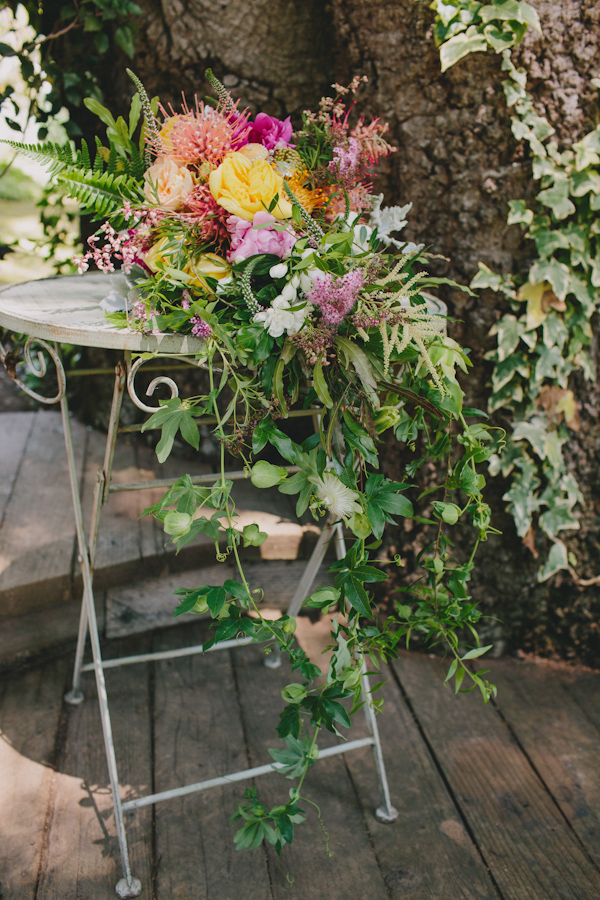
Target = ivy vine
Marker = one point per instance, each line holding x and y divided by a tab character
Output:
544	340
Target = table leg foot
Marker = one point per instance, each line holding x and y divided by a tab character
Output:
273	660
386	814
74	697
126	889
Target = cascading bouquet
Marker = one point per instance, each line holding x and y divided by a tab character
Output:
267	243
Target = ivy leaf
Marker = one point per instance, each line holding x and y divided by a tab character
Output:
557	198
557	560
459	46
558	518
509	331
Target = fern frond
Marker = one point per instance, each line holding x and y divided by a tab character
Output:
99	160
83	157
55	156
221	91
113	160
136	164
100	194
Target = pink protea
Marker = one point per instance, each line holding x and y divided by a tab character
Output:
360	199
201	209
202	135
371	140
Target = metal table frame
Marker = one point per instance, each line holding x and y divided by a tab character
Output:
129	886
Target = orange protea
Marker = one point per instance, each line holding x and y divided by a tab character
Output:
202	135
310	198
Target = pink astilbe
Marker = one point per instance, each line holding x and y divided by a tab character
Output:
200	328
335	297
345	163
201	209
202	135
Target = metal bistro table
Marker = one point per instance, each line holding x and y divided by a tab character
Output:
67	310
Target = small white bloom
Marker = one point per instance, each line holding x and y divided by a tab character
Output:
288	292
278	271
279	317
340	500
307	278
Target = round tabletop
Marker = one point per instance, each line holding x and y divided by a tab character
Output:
67	309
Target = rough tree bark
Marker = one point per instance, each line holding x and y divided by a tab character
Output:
459	165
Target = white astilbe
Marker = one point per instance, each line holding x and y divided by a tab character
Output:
336	497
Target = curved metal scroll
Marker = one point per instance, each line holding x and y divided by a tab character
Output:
161	379
39	369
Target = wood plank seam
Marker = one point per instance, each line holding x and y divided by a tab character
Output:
451	793
542	781
58	753
238	695
17	472
154	860
360	806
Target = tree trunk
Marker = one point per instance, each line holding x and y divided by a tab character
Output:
459	165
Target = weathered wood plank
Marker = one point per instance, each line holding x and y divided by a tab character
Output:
15	429
38	535
352	872
149	603
427	853
82	857
584	688
199	735
30	706
567	757
531	851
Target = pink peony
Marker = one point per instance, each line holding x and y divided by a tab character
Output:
247	240
272	133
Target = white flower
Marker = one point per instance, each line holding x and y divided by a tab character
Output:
278	271
281	317
340	500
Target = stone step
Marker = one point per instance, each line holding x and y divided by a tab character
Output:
39	569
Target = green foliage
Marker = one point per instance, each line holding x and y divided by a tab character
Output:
546	337
466	26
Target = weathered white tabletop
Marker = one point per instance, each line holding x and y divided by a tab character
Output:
67	309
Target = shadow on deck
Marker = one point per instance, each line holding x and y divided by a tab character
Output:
496	802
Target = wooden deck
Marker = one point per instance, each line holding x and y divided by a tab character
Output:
496	802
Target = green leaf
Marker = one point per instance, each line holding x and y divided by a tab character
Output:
478	651
459	46
265	475
557	560
253	536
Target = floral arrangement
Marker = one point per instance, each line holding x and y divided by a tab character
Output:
267	242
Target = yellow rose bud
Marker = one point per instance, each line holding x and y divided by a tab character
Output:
209	265
244	187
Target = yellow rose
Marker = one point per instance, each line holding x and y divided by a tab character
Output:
245	186
156	254
168	184
209	264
